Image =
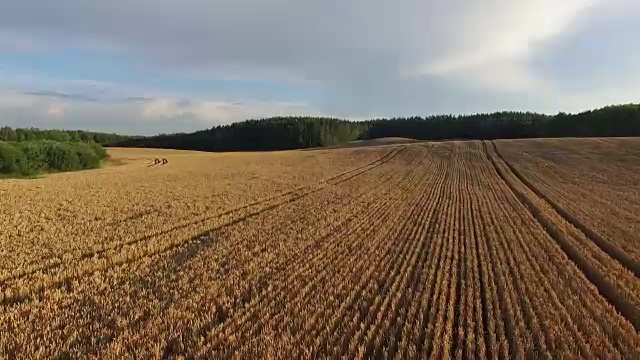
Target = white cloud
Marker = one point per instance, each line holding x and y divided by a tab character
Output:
500	30
165	114
305	40
160	108
361	57
600	97
18	44
497	38
19	82
15	100
17	108
216	112
56	110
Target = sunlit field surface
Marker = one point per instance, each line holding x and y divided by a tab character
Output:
511	248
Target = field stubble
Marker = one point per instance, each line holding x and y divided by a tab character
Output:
450	249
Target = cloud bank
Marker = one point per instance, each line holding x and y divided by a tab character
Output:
351	58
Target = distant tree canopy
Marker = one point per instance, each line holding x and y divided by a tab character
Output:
621	120
31	134
280	133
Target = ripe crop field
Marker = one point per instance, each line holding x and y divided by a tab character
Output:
512	248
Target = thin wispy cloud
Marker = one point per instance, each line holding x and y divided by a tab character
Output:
62	96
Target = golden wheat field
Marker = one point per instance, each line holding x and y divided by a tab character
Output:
503	249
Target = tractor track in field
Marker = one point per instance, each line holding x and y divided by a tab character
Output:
605	245
604	287
262	298
288	196
429	250
334	180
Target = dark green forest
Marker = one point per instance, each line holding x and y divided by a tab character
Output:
278	133
282	133
27	158
30	134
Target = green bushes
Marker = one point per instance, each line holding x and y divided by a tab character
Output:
37	159
12	160
33	157
87	156
61	157
99	151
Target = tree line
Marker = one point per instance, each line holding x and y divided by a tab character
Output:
38	156
280	133
621	120
31	134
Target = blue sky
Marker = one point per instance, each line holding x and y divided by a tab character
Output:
152	66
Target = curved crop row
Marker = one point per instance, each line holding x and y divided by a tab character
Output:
590	306
594	187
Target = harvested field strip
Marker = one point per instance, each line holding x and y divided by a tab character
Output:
606	279
595	310
259	302
440	315
353	246
597	185
322	254
204	328
411	233
606	246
